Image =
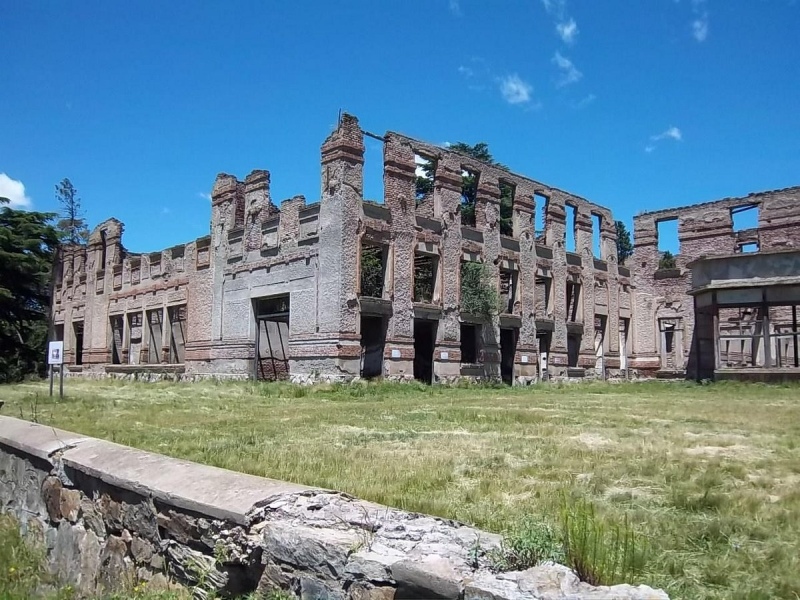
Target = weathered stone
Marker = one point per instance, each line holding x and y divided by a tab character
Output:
90	564
431	577
365	591
373	564
485	586
320	551
92	518
141	550
275	578
115	573
70	504
51	492
314	589
195	568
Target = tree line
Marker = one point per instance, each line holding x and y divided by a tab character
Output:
29	242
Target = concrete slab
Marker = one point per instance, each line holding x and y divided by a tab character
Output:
40	441
211	491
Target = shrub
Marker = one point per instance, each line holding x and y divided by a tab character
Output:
531	543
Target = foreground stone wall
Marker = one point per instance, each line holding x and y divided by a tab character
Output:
112	516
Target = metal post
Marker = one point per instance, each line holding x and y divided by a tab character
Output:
794	330
61	381
51	380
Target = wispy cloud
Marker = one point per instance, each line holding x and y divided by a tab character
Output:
585	101
515	90
569	73
14	190
204	196
455	7
672	133
567	31
700	20
466	71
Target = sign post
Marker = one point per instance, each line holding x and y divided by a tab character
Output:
55	356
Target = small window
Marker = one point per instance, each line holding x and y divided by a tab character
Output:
469	343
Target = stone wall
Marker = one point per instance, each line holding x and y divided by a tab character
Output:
705	229
112	516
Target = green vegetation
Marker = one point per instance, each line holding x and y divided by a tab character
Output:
667	261
707	475
478	295
27	244
624	245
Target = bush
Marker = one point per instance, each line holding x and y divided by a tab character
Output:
478	295
531	543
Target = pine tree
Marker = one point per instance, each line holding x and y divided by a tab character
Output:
624	245
72	225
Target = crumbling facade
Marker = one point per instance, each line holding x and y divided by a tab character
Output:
281	292
437	282
665	340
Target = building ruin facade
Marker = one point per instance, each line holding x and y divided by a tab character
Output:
346	287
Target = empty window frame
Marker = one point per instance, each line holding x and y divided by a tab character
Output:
469	196
469	343
540	216
744	217
597	240
508	289
272	341
571	232
425	275
373	170
425	175
134	337
373	270
507	191
573	301
667	234
116	338
542	296
103	252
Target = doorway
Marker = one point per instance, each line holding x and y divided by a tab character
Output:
272	338
424	344
508	348
373	340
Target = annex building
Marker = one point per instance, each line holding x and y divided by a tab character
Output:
346	287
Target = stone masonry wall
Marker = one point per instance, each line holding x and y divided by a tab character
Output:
111	517
705	229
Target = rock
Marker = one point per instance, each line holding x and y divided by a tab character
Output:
195	568
365	591
69	504
430	577
126	536
51	493
485	586
90	564
141	550
115	572
373	564
313	589
274	578
319	551
557	582
91	518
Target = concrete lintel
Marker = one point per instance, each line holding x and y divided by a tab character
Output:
37	440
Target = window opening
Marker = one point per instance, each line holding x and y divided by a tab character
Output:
373	269
469	196
425	171
507	191
540	216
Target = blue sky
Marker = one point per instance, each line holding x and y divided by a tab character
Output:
634	104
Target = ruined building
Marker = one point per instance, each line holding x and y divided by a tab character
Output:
412	287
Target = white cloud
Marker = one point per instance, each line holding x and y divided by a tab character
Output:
567	31
569	73
204	196
466	71
672	133
555	7
455	7
649	148
515	90
700	21
585	101
15	191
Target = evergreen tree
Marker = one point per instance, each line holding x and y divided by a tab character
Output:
624	245
72	224
667	261
27	246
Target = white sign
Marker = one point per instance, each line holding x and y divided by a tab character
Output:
55	353
445	355
524	358
395	353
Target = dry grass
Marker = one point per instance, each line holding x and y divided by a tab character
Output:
708	474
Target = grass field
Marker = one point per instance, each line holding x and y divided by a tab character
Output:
708	475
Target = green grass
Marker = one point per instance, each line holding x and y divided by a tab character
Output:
708	475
